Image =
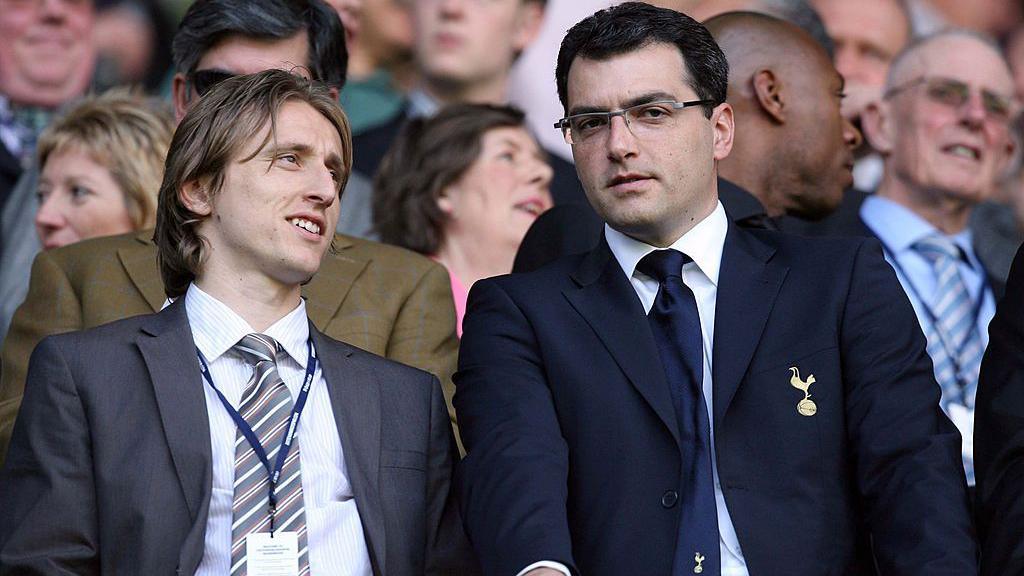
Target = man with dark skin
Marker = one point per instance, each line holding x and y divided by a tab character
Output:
786	96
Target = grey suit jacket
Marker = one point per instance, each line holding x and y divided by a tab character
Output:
110	465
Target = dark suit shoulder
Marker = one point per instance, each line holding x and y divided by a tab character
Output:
92	347
371	146
388	370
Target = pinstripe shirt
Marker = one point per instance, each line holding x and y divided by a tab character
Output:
335	534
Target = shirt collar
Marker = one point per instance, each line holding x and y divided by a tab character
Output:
421	104
703	243
216	327
898	227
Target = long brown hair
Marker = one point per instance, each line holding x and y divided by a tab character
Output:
214	134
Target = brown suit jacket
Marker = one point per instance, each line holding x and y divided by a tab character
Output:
383	299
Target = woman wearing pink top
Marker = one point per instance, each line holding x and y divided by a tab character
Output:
463	187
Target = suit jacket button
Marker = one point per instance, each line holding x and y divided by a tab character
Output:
669	498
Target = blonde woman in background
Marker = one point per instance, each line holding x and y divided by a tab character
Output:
101	165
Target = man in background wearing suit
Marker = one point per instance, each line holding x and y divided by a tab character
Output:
942	129
175	439
383	299
692	397
792	153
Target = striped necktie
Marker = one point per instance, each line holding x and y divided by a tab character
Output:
954	342
267	406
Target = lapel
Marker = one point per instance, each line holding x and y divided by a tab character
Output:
608	302
9	165
139	261
168	349
356	402
748	284
332	282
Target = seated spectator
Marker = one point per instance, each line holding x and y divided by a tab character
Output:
101	166
463	187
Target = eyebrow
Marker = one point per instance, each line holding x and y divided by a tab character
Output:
333	160
636	101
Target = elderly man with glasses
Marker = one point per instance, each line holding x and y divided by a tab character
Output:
692	397
942	127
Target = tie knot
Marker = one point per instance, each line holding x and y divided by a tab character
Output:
936	247
663	264
256	348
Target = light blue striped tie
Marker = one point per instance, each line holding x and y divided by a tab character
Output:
954	342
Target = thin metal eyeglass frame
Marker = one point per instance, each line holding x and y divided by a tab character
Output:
563	123
1011	102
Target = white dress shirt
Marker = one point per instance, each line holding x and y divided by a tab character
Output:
334	532
703	243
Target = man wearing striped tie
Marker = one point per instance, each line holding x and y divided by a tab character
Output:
942	128
225	434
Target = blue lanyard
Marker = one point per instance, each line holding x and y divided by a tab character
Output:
932	319
250	436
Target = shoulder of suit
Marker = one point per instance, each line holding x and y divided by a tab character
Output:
81	253
553	275
123	331
378	364
370	250
795	248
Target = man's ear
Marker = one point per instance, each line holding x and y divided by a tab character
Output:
181	96
724	128
877	125
768	93
531	15
194	196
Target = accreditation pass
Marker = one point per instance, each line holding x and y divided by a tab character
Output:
277	556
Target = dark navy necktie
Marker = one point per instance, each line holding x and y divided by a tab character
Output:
677	332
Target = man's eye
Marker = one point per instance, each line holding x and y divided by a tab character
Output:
79	192
289	158
653	113
949	93
590	123
996	105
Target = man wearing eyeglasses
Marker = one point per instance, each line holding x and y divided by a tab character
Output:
942	128
691	397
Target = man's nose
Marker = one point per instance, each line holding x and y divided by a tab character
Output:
621	141
851	135
324	187
973	110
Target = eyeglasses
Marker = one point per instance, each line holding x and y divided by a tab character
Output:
955	94
642	119
204	80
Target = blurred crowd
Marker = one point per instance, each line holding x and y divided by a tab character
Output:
897	119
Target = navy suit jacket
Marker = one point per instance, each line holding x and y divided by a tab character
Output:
573	450
999	434
109	470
